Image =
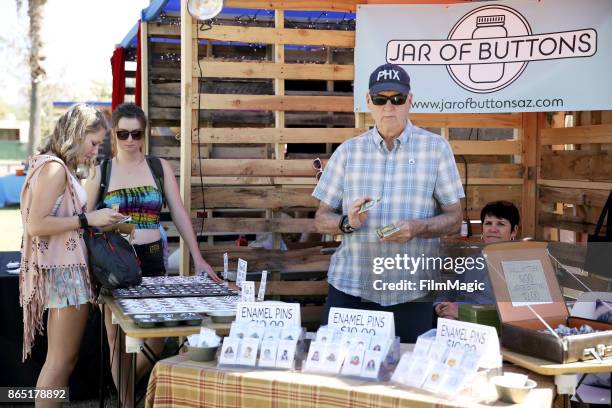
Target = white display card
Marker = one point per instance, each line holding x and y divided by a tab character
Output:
241	273
248	352
255	332
371	364
314	360
225	265
526	282
229	351
247	294
333	358
272	333
262	286
402	370
286	354
238	330
267	356
353	361
291	333
435	378
418	371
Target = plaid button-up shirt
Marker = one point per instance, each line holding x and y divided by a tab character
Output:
413	179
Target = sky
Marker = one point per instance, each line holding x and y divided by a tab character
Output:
79	38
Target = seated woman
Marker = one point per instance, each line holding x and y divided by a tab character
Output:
500	222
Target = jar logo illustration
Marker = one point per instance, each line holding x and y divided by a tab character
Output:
489	23
488	27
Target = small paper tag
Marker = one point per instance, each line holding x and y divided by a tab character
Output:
241	273
262	286
248	291
225	265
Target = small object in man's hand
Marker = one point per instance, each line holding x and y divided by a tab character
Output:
369	204
387	231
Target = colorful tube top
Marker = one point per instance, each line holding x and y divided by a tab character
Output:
143	204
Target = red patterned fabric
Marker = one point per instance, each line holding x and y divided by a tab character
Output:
118	68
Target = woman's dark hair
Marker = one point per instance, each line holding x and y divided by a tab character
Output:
130	111
502	209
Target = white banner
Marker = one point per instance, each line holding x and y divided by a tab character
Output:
511	56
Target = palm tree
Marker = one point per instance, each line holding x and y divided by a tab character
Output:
37	72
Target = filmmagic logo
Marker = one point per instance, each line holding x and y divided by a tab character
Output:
490	47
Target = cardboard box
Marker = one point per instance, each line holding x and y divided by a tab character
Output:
522	274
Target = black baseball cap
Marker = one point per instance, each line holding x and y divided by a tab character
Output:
389	77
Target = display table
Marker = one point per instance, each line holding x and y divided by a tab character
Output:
178	381
567	376
16	373
130	334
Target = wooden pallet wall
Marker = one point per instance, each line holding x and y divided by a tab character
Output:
232	188
576	172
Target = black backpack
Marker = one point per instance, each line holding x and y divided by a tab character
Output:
156	169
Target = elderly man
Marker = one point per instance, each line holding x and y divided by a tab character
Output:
412	177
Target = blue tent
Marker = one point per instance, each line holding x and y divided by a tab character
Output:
173	6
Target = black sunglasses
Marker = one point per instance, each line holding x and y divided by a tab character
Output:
124	134
380	100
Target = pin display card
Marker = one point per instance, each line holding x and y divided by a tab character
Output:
272	333
333	358
238	330
255	332
267	356
371	364
353	361
248	352
433	382
229	351
418	371
291	333
314	360
285	354
402	370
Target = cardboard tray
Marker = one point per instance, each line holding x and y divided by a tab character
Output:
520	325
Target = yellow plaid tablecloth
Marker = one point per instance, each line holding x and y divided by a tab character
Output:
180	382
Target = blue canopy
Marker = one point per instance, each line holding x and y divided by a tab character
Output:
174	6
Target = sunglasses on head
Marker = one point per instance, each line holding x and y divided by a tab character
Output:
317	164
124	134
380	100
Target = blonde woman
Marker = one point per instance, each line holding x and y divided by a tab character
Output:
54	273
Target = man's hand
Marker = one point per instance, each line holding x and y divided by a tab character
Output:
407	231
355	219
448	310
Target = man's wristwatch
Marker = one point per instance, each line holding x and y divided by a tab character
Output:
345	226
83	221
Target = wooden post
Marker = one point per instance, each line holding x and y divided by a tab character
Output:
144	79
279	90
188	85
529	146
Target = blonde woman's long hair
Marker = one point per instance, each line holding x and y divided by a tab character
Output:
69	134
